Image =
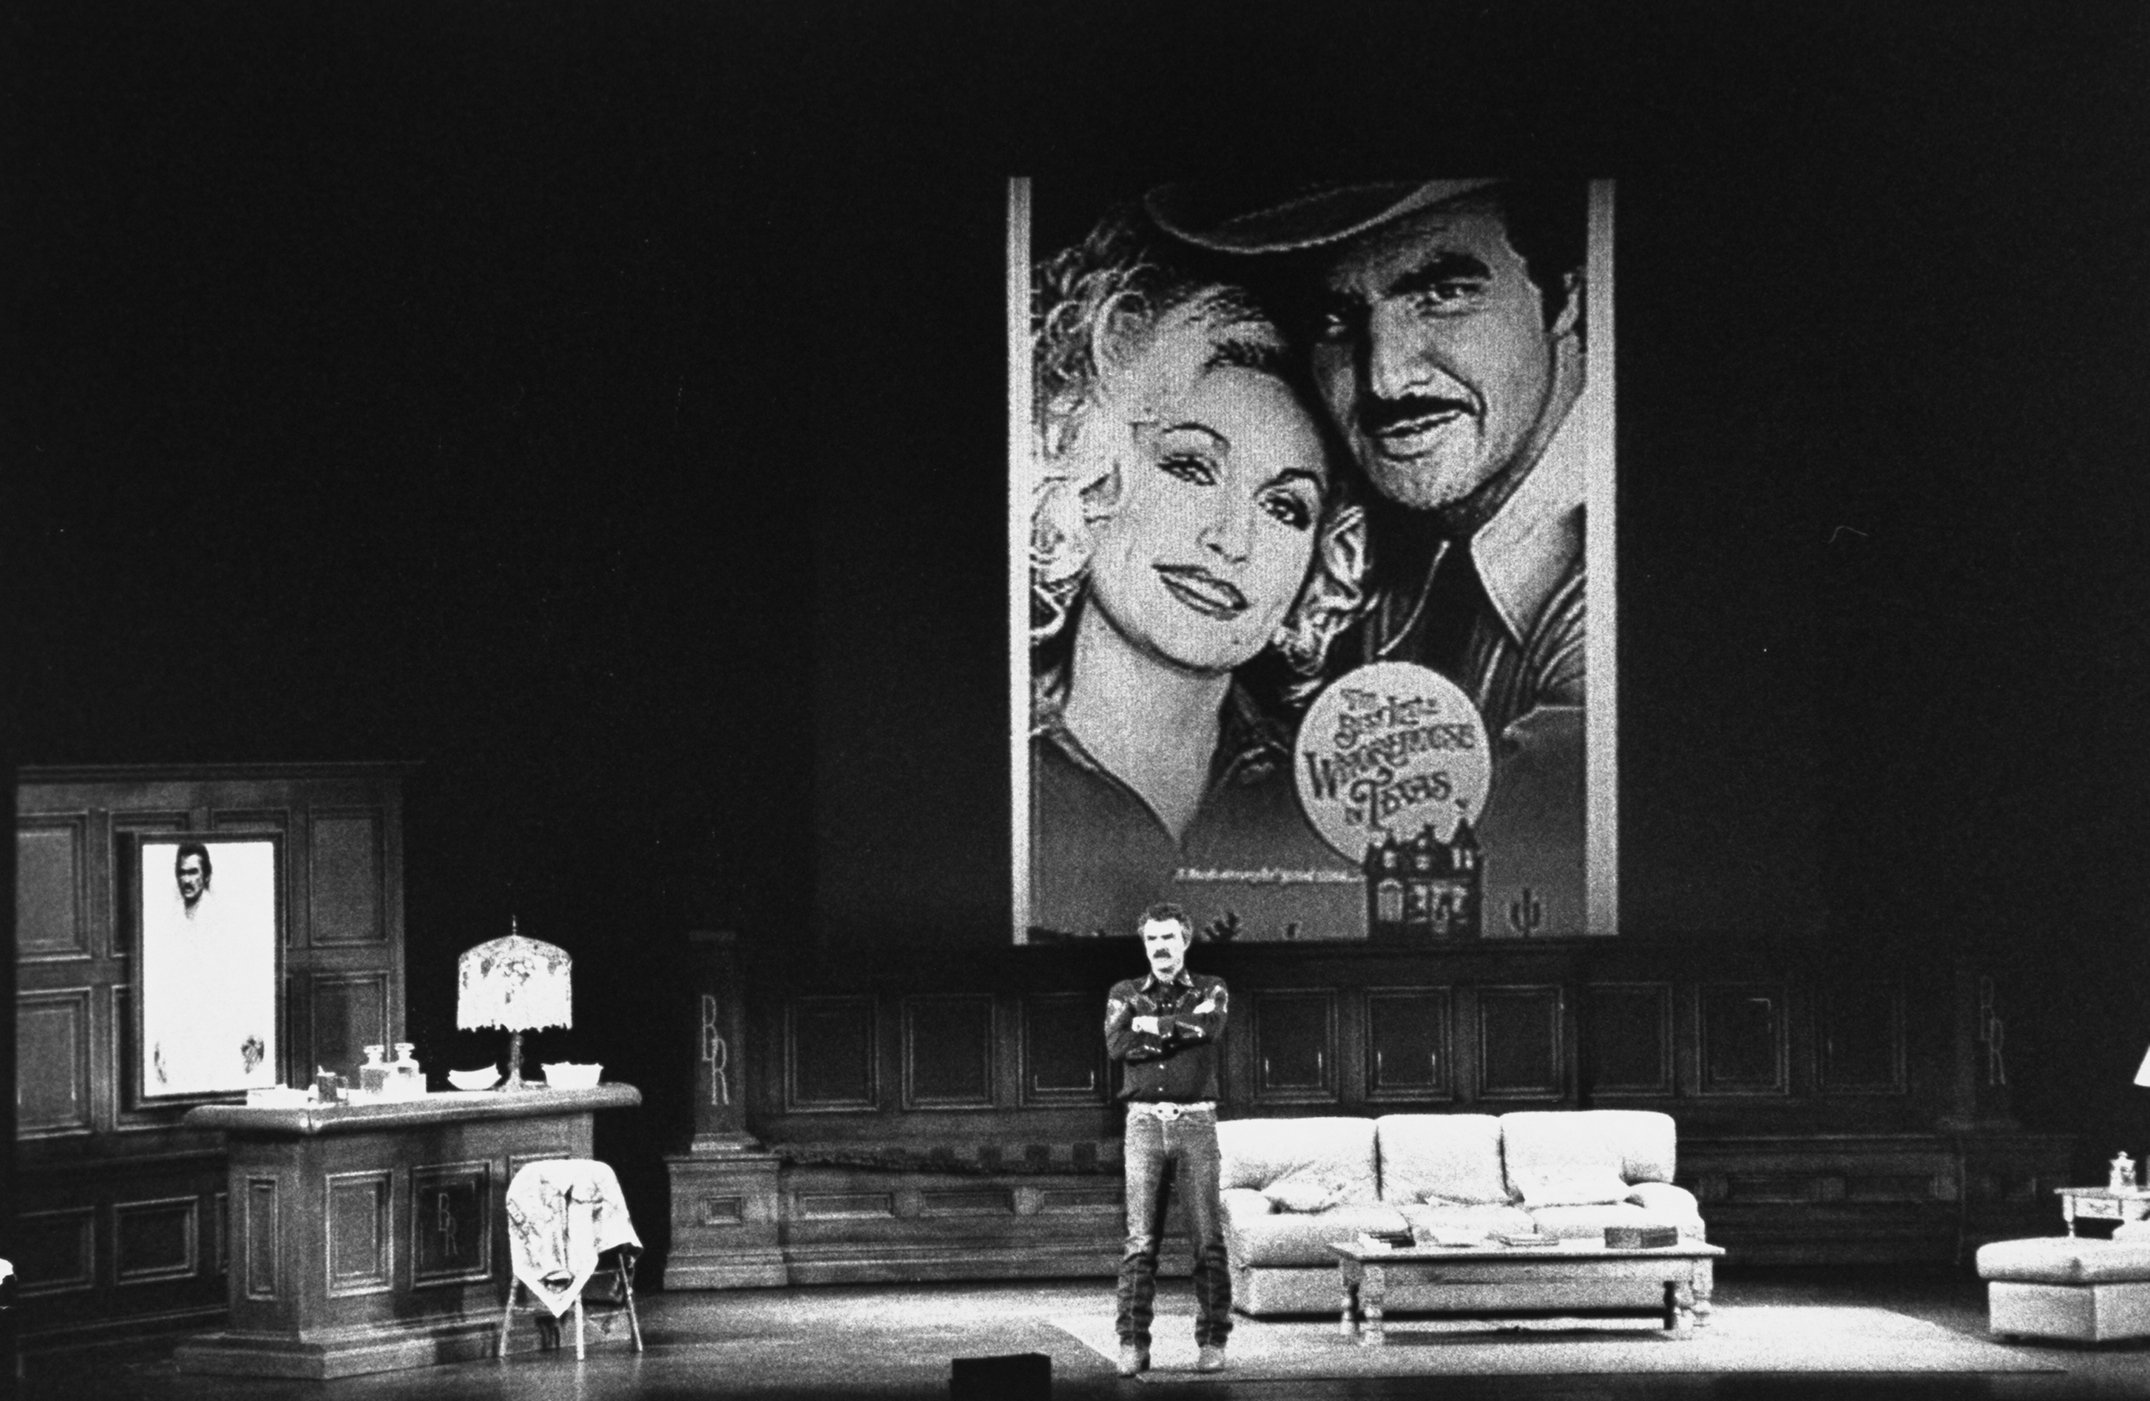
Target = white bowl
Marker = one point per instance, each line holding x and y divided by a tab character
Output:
572	1075
483	1078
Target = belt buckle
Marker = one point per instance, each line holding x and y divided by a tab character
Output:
1168	1111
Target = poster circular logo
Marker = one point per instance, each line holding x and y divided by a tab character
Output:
1391	747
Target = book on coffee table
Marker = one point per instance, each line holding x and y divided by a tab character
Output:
1385	1240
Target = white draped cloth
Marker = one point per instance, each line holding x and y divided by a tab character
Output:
562	1214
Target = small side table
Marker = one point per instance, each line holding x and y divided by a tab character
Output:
2103	1204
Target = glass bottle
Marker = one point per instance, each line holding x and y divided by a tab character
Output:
410	1081
373	1076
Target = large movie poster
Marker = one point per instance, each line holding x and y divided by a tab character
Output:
1307	633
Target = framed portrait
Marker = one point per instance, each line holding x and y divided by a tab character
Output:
208	942
1306	632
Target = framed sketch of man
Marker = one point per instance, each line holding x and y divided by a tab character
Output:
208	946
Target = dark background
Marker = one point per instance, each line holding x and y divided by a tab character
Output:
604	406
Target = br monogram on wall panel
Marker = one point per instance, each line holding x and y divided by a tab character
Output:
451	1224
1521	1049
948	1052
51	901
829	1054
1063	1049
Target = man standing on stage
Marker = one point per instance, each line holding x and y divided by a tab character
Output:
1165	1030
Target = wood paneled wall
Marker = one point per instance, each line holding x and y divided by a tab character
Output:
1719	1039
1822	1115
119	1216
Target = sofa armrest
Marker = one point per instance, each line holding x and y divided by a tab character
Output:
1243	1203
1665	1199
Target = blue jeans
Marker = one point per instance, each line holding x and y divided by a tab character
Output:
1158	1154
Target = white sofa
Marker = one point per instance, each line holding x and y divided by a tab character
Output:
1291	1186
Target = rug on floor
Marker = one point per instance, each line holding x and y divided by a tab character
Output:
1757	1338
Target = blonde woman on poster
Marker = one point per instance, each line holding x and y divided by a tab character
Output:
1192	554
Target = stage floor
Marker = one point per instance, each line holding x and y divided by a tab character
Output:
898	1340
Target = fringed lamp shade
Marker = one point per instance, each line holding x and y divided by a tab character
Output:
515	983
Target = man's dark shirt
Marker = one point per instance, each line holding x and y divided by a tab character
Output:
1180	1064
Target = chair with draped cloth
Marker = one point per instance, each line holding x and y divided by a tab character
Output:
569	1239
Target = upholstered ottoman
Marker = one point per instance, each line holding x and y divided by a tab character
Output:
2066	1287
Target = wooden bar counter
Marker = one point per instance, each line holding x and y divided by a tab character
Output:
370	1236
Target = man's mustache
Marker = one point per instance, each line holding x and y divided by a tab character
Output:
1378	416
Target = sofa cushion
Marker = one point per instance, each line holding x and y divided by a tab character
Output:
1445	1159
1296	1238
1577	1157
1586	1175
1244	1204
1644	1142
1674	1206
1335	1151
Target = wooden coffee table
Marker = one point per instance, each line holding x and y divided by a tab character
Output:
1685	1270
